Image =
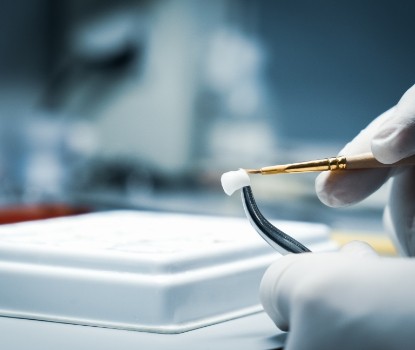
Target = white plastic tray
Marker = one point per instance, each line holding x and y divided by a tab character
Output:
144	271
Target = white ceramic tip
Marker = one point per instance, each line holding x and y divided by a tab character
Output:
234	180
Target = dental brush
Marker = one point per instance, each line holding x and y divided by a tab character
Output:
340	163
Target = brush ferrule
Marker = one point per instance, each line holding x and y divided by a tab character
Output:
337	163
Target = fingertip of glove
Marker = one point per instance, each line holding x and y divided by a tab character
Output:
398	145
388	146
395	139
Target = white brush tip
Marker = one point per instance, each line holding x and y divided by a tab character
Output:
234	180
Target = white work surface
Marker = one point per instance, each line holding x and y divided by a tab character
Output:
254	332
128	277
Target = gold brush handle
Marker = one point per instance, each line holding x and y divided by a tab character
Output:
361	161
333	163
367	161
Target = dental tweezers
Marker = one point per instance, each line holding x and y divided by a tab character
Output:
276	238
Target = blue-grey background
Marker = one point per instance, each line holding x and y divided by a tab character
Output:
145	103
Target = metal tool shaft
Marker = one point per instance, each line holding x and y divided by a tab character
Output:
276	238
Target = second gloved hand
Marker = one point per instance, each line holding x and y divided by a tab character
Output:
342	300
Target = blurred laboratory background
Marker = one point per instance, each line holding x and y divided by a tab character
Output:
144	103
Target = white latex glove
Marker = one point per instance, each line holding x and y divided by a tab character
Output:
390	137
342	300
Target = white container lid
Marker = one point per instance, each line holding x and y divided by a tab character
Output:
154	272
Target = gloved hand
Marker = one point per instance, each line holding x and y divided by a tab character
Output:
390	137
342	300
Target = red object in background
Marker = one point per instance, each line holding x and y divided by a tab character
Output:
19	213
